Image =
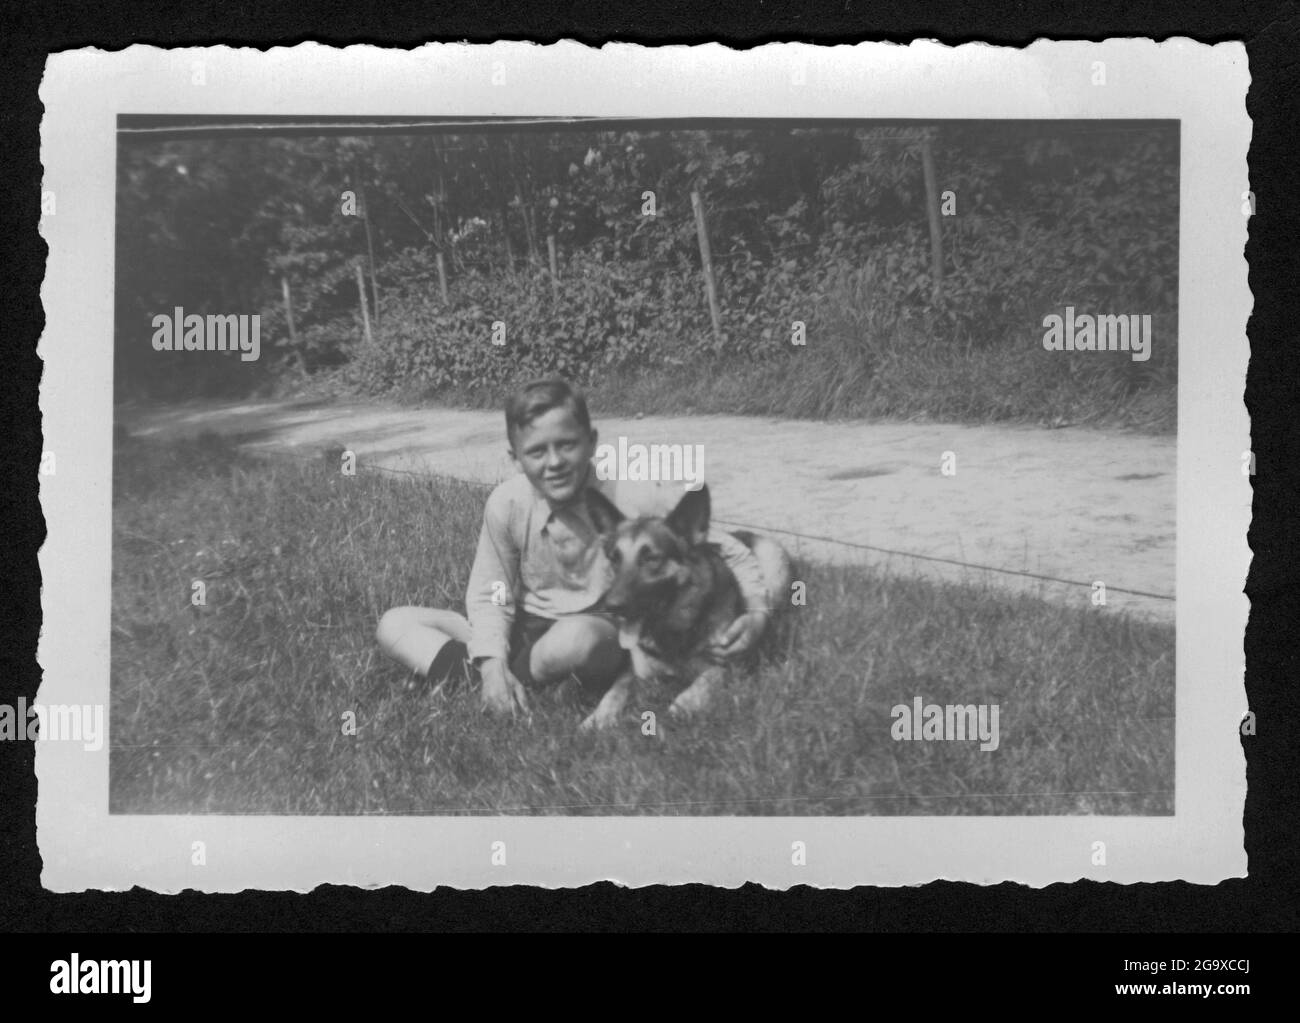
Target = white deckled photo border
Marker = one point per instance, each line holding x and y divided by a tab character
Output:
1203	87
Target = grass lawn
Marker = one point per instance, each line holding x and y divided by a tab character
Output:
239	706
928	384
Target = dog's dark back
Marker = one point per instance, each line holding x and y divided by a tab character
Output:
706	602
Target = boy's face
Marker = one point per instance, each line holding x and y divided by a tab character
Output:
555	453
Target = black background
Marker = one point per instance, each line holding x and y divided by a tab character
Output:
1264	902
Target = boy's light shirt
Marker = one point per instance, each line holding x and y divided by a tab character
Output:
549	559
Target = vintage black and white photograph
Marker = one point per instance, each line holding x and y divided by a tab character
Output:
950	343
507	464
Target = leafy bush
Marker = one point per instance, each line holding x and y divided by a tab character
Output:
825	226
601	315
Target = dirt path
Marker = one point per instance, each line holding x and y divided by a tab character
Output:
1073	504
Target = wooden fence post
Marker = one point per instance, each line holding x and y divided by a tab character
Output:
288	312
442	277
293	330
706	257
555	271
370	248
932	211
365	313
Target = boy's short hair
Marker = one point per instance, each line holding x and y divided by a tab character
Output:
537	397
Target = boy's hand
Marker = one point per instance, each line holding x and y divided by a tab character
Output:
743	634
502	692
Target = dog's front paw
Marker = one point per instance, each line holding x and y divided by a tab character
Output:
689	702
698	695
597	720
611	705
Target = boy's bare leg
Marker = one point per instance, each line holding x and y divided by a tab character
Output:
586	646
413	636
581	645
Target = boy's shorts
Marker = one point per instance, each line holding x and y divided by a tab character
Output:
451	667
524	634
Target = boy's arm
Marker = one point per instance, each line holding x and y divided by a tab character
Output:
744	633
744	566
495	572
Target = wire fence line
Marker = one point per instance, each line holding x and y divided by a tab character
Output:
545	243
711	268
523	261
810	537
137	127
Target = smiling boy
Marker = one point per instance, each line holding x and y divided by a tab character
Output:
540	568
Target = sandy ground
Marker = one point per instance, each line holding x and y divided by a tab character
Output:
1073	504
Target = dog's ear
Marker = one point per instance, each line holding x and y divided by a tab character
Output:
690	519
604	516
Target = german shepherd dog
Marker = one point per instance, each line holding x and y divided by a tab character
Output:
673	594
